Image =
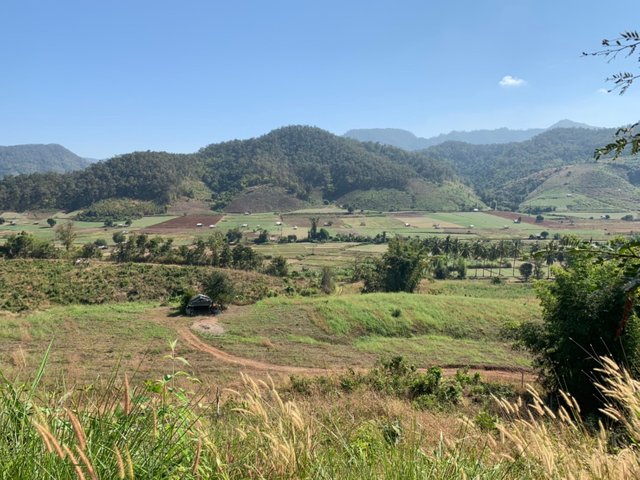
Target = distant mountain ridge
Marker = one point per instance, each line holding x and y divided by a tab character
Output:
408	141
38	158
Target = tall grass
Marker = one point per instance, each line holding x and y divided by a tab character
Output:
171	428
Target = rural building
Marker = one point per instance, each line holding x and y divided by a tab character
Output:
199	304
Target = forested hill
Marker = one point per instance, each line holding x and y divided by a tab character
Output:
491	169
18	159
302	159
298	160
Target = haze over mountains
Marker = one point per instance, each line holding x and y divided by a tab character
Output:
408	141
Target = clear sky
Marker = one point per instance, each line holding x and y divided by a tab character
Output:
113	76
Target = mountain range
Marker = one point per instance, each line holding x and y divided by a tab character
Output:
297	166
19	159
408	141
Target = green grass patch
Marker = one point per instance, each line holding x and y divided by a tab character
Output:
352	329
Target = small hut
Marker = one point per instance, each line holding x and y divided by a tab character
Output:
199	304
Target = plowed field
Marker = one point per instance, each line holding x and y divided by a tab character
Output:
184	223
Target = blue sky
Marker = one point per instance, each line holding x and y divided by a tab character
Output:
109	77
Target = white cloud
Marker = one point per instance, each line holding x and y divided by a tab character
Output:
509	81
603	91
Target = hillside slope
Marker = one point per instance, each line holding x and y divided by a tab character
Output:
282	170
19	159
585	187
493	170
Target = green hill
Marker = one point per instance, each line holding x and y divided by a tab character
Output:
497	172
19	159
586	187
286	169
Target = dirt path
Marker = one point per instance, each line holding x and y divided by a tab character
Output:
195	342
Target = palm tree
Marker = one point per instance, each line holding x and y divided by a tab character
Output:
479	252
550	254
516	251
502	250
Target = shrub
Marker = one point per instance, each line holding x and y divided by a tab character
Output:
185	299
327	282
278	267
526	269
218	287
586	314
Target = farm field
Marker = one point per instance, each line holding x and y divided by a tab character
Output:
448	324
463	225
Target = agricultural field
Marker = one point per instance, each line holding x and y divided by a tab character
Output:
463	225
449	324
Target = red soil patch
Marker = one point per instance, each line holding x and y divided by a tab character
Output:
186	222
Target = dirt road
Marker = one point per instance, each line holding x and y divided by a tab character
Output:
488	373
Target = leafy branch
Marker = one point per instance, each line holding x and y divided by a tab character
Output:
625	45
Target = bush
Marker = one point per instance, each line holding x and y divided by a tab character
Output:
185	299
526	270
278	267
327	283
586	314
218	287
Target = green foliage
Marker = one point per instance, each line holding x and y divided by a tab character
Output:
185	298
302	161
498	171
118	237
233	235
586	314
399	270
24	245
526	269
147	176
218	287
90	250
66	233
118	209
263	237
35	284
327	280
51	222
278	267
397	377
627	138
